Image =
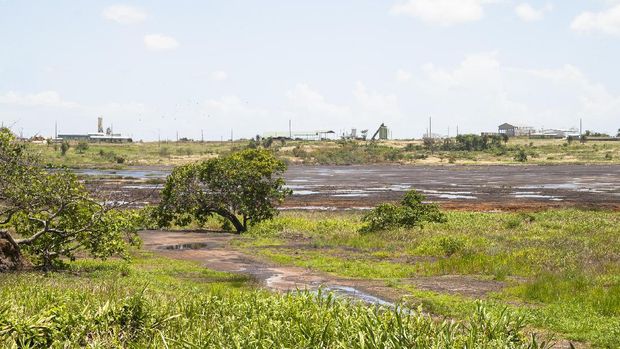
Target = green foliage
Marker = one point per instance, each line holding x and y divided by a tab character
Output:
451	245
246	184
159	303
81	147
521	155
164	152
410	213
472	142
112	156
64	147
50	215
559	267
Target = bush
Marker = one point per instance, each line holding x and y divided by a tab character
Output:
409	213
164	152
450	245
82	147
64	147
298	152
521	156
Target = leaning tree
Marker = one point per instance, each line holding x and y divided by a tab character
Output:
243	188
49	215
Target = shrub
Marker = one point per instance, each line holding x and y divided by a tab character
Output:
298	152
521	156
409	213
82	147
64	147
164	152
450	245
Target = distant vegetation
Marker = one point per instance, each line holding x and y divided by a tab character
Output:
463	149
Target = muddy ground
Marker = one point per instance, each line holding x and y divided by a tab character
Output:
482	188
215	251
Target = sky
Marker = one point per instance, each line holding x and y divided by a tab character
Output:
156	68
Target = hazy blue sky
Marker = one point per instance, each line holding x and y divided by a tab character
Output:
154	67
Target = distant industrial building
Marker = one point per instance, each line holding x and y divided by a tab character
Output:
304	135
514	130
99	137
556	133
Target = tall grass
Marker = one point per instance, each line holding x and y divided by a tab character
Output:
161	303
552	262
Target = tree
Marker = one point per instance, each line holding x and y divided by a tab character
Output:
242	187
64	147
618	134
50	215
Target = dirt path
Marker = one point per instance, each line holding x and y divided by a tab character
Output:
213	250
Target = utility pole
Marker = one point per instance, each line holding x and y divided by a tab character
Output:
202	136
430	127
290	132
457	130
55	129
580	127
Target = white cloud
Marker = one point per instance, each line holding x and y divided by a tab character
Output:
403	75
41	99
304	97
606	22
159	42
374	104
124	14
219	75
528	13
442	12
481	92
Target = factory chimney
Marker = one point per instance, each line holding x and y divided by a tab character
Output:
100	124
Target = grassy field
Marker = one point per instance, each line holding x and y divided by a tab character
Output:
560	269
161	303
331	152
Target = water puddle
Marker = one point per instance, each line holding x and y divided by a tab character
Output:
187	246
536	195
351	195
136	174
144	186
354	293
453	195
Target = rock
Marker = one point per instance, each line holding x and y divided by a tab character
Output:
10	257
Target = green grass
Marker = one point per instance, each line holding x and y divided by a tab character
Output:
552	262
159	303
